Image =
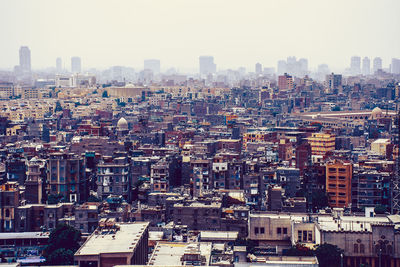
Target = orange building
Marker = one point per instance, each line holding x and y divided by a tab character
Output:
338	183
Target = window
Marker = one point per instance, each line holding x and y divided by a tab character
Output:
285	231
309	235
299	235
355	250
7	213
262	230
362	248
279	230
305	236
256	230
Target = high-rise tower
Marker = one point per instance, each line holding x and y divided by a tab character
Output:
207	65
76	64
377	64
25	59
366	66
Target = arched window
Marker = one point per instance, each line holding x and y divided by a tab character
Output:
389	249
355	248
362	248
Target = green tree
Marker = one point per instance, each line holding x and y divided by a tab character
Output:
105	93
63	243
328	255
319	199
299	250
335	108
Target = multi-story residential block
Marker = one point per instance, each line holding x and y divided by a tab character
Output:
86	216
115	244
9	201
66	176
198	215
285	82
370	188
338	183
321	143
113	178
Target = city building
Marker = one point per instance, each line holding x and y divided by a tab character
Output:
66	176
76	65
59	66
207	65
25	59
366	66
181	254
377	64
113	177
355	65
321	143
338	183
334	81
285	82
115	244
395	67
9	201
153	65
258	68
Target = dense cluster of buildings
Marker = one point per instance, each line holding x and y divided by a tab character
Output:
194	173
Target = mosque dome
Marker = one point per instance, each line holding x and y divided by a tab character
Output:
376	113
122	125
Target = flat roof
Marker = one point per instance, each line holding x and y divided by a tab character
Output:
122	241
218	235
351	223
170	253
25	235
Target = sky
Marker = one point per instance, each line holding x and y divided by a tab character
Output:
237	33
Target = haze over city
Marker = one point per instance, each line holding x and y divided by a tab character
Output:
236	33
200	133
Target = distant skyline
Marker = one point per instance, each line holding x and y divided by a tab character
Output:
177	32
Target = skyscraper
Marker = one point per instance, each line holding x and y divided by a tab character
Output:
58	65
377	64
355	65
76	66
25	59
258	68
282	67
207	65
153	65
395	66
303	62
366	66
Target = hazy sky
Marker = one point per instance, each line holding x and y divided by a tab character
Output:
236	33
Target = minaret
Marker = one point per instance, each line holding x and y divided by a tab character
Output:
33	183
